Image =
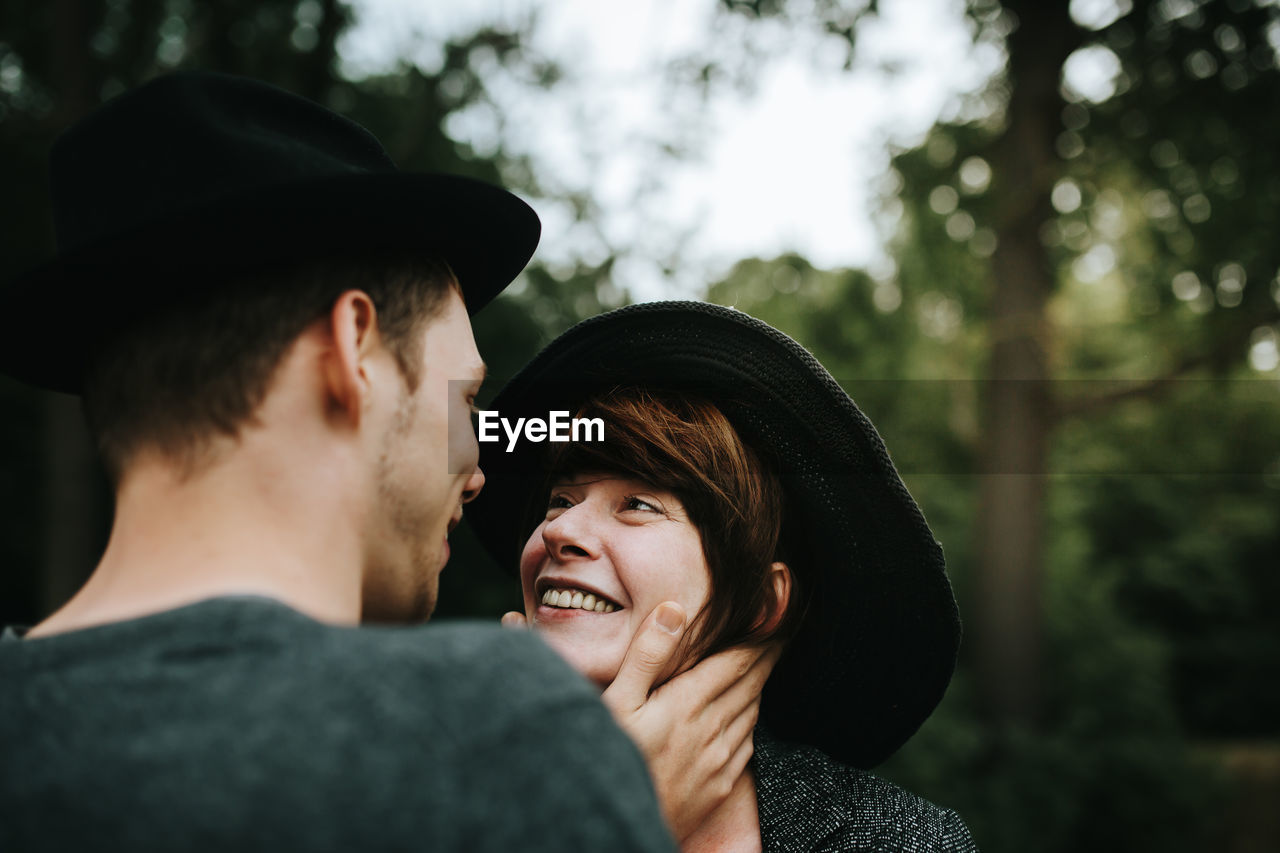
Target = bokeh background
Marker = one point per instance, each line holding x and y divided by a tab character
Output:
1035	240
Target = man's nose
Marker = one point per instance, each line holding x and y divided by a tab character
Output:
473	485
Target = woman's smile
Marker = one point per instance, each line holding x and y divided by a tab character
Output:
572	595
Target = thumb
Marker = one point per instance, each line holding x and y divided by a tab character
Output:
514	619
647	657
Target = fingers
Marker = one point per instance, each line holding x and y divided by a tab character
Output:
741	756
745	689
513	619
739	729
728	679
647	658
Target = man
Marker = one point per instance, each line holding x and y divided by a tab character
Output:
269	327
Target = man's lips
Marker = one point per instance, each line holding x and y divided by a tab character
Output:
453	523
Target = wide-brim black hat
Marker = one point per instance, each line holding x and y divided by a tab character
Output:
877	645
197	172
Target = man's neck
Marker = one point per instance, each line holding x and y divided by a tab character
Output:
238	527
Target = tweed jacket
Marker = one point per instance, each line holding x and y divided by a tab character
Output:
809	802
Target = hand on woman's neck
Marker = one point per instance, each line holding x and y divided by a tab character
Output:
734	827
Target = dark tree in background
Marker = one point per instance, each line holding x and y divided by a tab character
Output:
1007	635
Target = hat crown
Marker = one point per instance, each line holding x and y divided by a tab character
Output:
189	138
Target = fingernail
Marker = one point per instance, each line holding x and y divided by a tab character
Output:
670	618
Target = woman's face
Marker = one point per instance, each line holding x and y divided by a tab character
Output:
609	551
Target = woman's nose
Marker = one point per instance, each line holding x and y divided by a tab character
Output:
569	535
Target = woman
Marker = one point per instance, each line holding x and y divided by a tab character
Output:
737	478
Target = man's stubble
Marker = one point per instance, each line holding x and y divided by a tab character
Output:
403	512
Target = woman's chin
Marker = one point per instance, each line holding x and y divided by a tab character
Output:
596	662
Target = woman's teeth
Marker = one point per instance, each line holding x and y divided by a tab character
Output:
576	599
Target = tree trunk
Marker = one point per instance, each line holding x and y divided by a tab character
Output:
1008	625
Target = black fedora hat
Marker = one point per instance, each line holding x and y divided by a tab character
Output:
877	645
196	172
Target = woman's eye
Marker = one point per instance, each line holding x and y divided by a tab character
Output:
557	502
641	504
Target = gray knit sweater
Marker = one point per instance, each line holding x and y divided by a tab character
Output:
809	802
240	724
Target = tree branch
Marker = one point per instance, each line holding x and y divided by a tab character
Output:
1160	385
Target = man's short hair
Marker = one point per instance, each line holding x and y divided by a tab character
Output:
199	366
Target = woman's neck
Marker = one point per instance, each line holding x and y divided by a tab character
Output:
734	827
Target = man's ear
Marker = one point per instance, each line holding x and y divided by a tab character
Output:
353	328
777	596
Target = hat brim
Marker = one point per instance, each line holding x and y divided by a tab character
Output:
877	645
485	234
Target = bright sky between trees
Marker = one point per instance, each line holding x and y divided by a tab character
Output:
791	165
